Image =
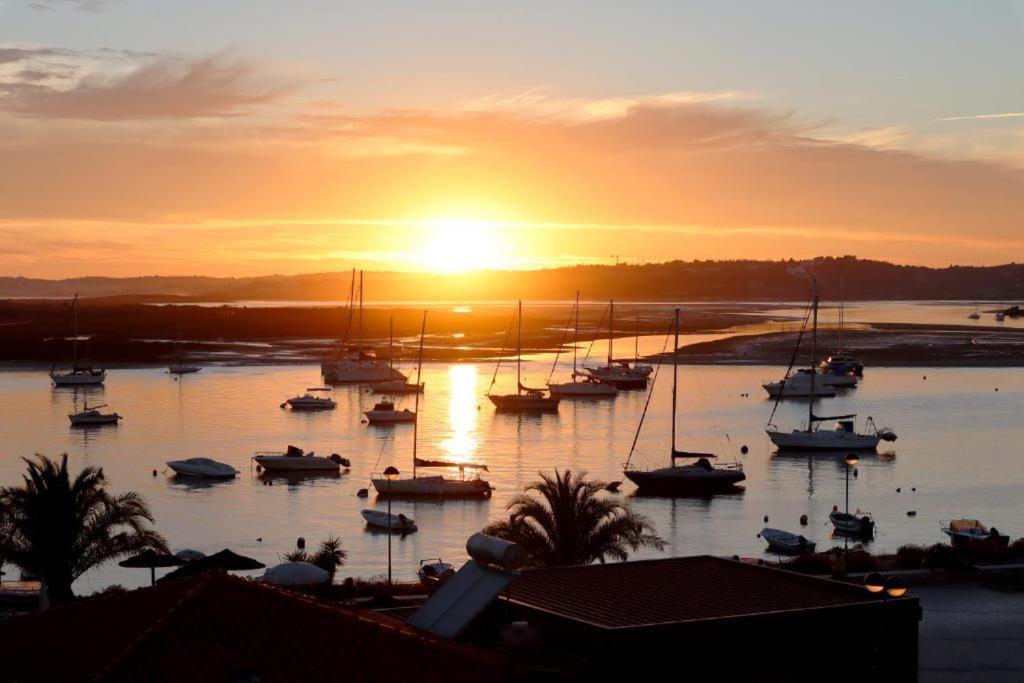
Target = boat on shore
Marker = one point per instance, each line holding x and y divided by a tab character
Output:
961	531
206	468
93	417
79	375
698	477
295	460
785	542
583	385
377	519
526	399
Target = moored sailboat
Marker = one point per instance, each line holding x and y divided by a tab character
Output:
79	375
620	373
583	385
437	486
700	476
526	399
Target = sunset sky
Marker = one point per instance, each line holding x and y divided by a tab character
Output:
249	137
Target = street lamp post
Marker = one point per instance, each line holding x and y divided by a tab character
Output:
391	473
851	462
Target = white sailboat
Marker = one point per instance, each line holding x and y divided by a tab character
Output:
357	364
841	369
395	387
622	374
436	486
526	399
698	477
78	376
843	435
583	385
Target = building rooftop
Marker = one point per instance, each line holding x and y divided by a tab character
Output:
683	589
217	627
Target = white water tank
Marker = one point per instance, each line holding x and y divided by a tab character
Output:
490	550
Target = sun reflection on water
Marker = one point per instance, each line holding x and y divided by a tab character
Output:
462	413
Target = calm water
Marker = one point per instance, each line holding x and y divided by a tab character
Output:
959	446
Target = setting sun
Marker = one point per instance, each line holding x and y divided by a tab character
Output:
456	246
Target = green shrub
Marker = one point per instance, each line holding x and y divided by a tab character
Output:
810	563
911	557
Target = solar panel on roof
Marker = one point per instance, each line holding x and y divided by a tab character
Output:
461	599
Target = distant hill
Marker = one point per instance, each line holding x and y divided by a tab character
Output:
674	280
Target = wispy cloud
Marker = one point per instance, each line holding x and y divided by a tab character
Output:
1003	115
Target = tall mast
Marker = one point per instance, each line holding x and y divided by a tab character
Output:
416	409
675	384
842	307
74	332
814	355
611	328
391	342
576	336
636	340
360	307
519	351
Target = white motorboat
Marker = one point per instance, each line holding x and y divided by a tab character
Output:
526	399
433	486
202	467
583	385
859	525
295	460
698	477
93	417
434	570
388	522
968	530
386	413
78	376
357	364
799	385
311	401
786	542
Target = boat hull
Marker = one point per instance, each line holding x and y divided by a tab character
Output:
298	404
397	387
435	486
79	379
385	417
286	463
77	421
183	369
359	372
823	440
685	479
186	469
522	403
786	543
385	522
851	525
790	390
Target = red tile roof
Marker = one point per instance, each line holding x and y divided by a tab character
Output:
217	627
628	594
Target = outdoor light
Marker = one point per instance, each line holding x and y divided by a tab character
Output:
852	459
895	586
874	582
391	473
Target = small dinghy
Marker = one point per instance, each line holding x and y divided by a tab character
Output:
967	530
388	522
202	467
848	524
785	542
434	571
93	417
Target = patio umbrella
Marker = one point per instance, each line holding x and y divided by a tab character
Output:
225	560
296	574
151	559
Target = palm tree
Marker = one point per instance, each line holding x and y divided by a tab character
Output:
329	556
58	527
573	523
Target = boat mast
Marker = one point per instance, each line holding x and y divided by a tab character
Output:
74	332
814	351
360	338
519	351
416	408
576	336
611	329
842	306
391	342
675	385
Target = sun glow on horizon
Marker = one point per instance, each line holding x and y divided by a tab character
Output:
459	246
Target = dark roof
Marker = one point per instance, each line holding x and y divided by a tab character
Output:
650	592
217	627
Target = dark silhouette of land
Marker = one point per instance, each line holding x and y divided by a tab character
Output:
670	281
